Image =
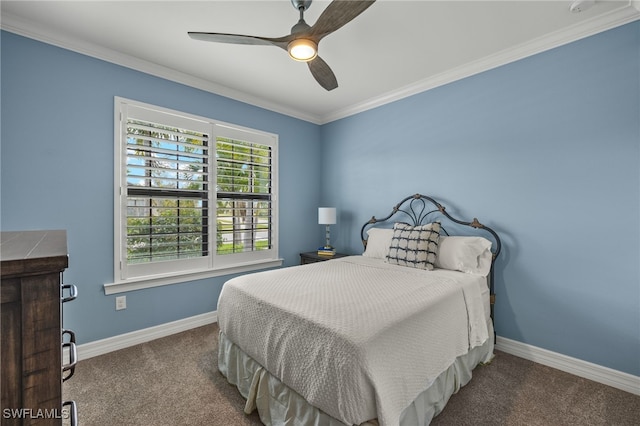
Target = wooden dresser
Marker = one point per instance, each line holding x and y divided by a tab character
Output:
31	296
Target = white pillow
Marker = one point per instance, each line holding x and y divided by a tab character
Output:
378	242
466	254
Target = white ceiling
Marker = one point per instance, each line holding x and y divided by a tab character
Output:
393	49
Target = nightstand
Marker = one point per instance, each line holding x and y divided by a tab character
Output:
313	257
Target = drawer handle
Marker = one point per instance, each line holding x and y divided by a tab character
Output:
73	292
70	333
73	360
73	412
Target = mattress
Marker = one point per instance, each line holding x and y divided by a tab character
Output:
355	337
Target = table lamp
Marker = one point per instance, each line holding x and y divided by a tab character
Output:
327	217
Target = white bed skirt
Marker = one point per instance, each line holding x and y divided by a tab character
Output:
277	404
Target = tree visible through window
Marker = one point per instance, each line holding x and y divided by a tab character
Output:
167	180
243	196
194	194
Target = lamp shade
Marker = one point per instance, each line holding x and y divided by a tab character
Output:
326	215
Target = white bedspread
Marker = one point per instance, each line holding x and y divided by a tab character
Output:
356	337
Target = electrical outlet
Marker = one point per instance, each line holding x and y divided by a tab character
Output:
121	303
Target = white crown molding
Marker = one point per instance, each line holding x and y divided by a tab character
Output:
16	25
576	32
613	19
577	367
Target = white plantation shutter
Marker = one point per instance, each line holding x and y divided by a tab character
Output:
244	194
194	194
167	192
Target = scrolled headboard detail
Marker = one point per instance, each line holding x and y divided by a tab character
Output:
417	209
420	209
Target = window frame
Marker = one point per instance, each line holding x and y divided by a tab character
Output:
134	277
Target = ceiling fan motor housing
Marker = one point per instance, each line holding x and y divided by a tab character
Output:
302	49
304	4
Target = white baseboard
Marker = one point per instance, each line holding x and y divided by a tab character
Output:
110	344
597	373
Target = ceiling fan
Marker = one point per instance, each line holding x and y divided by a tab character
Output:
302	43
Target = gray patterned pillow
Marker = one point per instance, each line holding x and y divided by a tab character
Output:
414	246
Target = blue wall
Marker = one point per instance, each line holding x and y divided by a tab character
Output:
546	151
57	173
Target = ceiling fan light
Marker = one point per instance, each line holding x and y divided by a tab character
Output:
302	49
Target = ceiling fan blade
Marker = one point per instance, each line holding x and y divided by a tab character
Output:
322	73
241	39
337	14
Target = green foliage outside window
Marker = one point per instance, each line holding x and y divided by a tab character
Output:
167	181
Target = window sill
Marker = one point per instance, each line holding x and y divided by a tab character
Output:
160	280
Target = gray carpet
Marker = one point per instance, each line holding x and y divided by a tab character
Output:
174	381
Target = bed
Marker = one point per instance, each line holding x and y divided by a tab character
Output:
381	338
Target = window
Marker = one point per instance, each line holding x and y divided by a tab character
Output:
194	197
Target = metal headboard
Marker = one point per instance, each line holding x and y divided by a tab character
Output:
421	209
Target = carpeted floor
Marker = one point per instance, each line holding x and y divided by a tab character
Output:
175	381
